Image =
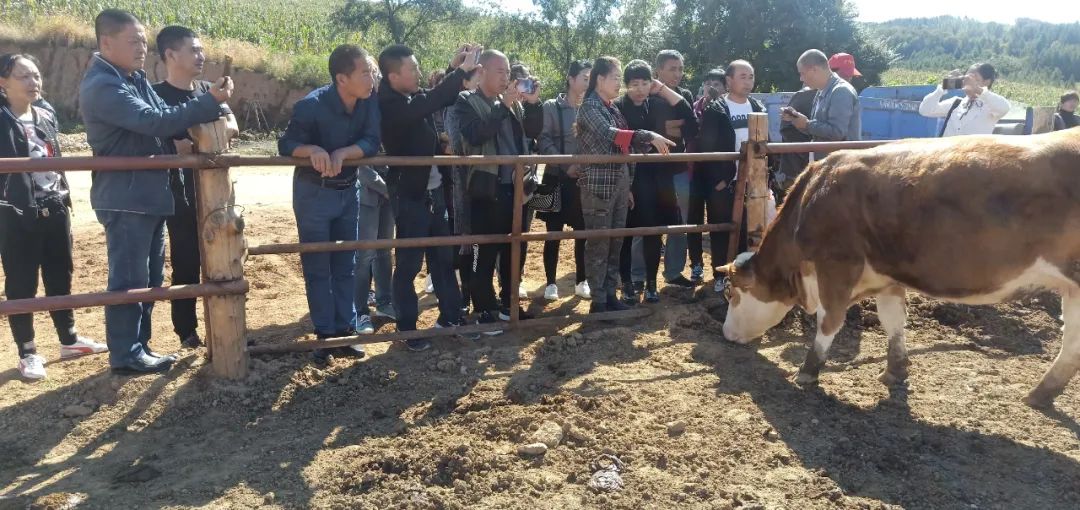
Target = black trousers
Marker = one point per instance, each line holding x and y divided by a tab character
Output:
551	254
720	206
424	217
25	251
184	256
493	217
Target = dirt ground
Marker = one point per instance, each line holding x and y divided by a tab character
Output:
694	421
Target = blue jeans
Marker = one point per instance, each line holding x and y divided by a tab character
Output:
136	249
324	214
376	221
424	218
675	251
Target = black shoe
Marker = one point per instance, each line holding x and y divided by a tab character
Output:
681	281
651	296
321	357
629	295
143	365
348	351
614	305
504	315
191	341
170	357
639	287
440	323
487	318
418	344
597	308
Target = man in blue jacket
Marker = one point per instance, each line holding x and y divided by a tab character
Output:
335	123
125	117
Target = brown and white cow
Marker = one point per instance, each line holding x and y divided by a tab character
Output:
975	220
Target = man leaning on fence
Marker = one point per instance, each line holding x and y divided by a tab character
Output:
332	124
125	117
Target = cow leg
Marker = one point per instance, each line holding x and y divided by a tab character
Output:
1067	362
892	311
834	295
819	352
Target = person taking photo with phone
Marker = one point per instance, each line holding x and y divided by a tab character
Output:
977	112
498	118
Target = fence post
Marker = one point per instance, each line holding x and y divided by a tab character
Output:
515	243
221	237
755	169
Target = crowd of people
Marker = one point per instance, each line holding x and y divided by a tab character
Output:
480	104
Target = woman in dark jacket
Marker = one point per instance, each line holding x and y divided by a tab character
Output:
653	188
35	215
557	137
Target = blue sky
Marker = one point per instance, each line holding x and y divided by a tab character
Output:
1000	11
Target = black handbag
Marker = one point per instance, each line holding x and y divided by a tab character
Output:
548	196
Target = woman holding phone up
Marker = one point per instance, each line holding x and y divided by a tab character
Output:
605	187
35	215
974	114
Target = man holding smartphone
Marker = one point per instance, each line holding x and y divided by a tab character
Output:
416	193
497	119
836	115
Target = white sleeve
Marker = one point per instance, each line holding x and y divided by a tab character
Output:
998	105
933	106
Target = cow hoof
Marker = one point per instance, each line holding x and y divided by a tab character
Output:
890	379
1038	402
805	379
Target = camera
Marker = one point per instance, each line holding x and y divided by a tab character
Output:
952	83
526	86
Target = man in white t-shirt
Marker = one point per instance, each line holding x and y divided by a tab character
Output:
724	128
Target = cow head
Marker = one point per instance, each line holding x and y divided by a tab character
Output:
751	308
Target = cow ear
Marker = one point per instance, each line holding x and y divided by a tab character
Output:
725	270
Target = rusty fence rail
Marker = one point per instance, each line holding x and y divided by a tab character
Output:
224	248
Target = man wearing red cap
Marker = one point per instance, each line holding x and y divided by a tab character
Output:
843	64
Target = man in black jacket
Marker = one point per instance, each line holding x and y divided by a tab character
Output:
724	127
497	119
675	127
408	129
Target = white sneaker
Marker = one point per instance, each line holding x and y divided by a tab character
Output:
582	290
522	293
551	292
82	347
32	367
428	286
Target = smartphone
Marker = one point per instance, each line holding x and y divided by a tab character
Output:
952	83
476	56
712	92
787	110
526	86
228	66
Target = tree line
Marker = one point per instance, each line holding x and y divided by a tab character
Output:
1030	50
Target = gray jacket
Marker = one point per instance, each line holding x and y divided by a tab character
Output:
555	136
837	115
125	117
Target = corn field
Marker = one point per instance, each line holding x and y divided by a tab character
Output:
292	26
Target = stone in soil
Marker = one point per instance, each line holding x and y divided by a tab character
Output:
533	449
549	433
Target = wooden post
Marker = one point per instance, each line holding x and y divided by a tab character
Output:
755	169
221	237
515	243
